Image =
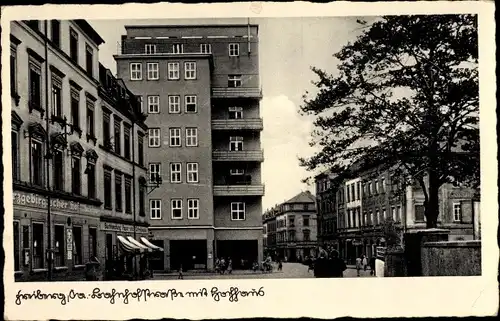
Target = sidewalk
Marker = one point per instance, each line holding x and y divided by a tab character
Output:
211	273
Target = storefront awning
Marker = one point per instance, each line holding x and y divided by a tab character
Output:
127	246
139	244
151	245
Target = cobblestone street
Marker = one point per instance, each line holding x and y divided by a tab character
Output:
290	271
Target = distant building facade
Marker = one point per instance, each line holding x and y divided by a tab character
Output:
290	228
351	212
200	88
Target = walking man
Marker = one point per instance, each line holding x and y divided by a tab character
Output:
358	265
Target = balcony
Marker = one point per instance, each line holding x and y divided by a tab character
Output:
239	190
240	155
238	92
238	124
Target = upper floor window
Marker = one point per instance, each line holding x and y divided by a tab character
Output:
235	143
305	220
155	209
58	170
192	137
234	81
73	45
140	148
234	49
90	119
141	103
15	152
118	191
108	201
457	212
173	70
175	173
56	96
36	161
126	141
91	178
55	30
190	70
237	211
35	84
106	129
13	69
150	49
76	174
175	137
153	71
376	186
177	48
190	103
192	172
235	112
307	235
89	60
174	104
176	206
193	208
154	137
153	104
205	48
382	184
154	172
33	24
135	71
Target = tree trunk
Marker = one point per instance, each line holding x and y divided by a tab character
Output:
432	206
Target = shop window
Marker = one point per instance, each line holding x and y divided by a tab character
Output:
77	245
38	246
59	245
92	242
17	247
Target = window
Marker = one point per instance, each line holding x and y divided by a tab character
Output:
175	173
106	129
234	49
399	215
154	137
35	90
91	180
457	212
175	137
55	29
153	104
192	172
73	45
141	103
235	112
382	185
369	188
140	148
108	202
305	220
128	195
13	70
358	190
118	191
75	108
118	136
376	186
154	172
235	143
237	211
142	200
174	104
56	97
17	246
135	71
177	48
36	162
76	179
190	104
57	170
59	245
372	220
176	205
77	245
234	81
38	246
92	242
193	208
15	154
173	70
150	49
191	137
419	213
155	209
90	119
33	24
126	141
377	217
190	70
89	60
384	215
393	212
236	171
307	235
205	48
153	71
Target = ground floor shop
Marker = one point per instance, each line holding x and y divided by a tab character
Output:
199	248
351	248
296	253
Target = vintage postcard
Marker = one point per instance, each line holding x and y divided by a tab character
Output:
199	161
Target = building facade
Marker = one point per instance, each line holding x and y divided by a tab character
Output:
200	87
291	229
352	212
58	163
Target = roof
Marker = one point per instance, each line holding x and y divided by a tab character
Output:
89	31
237	25
303	197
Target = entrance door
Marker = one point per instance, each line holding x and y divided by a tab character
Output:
192	254
109	251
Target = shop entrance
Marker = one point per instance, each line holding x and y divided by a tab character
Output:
109	252
157	259
192	254
242	252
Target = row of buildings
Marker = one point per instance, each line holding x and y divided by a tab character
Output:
167	150
352	211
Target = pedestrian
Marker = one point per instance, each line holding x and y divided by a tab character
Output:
222	266
181	276
217	266
230	267
372	265
365	262
280	265
358	265
336	266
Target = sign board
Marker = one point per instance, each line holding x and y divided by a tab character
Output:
69	244
39	201
123	228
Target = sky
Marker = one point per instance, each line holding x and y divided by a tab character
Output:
288	47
